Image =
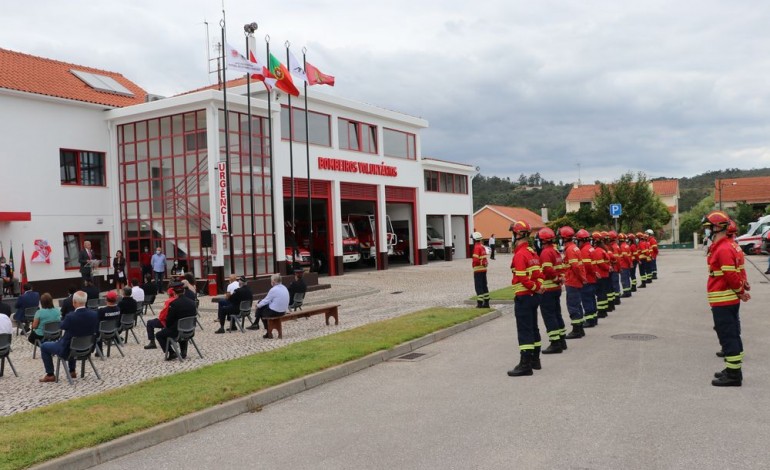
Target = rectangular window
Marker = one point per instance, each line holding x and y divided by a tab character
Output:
437	181
73	243
81	168
357	136
399	144
318	124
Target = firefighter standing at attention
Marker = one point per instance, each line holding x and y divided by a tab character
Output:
634	249
653	253
550	302
527	286
726	289
574	279
480	272
601	260
732	231
614	251
625	263
588	292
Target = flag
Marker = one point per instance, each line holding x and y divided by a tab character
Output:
10	259
282	77
238	63
316	77
23	267
263	76
2	255
296	68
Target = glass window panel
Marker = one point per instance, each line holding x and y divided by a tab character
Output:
177	143
153	126
68	167
154	146
141	130
132	209
141	151
165	126
129	152
394	143
353	129
143	189
372	132
144	209
342	131
176	125
165	147
131	191
128	132
201	119
319	129
410	146
129	172
189	122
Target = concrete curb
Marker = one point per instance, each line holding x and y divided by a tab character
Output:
125	445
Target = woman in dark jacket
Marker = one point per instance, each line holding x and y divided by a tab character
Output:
119	264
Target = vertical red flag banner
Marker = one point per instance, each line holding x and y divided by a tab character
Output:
23	267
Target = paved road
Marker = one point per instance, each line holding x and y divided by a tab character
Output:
603	404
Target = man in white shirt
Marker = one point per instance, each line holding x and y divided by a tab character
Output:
5	324
275	304
137	293
234	284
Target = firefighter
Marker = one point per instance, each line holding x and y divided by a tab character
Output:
614	251
726	289
527	286
644	249
732	231
588	292
550	302
574	279
480	272
653	254
625	264
601	261
634	249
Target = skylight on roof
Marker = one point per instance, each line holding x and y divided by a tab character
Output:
102	83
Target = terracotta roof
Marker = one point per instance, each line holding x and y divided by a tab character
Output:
583	193
665	187
751	190
497	219
31	74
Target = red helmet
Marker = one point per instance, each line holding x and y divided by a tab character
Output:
597	236
582	234
631	236
605	234
732	228
716	219
545	234
566	232
520	227
640	235
622	236
613	235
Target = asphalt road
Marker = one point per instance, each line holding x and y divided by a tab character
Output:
603	404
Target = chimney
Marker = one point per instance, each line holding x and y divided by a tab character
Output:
544	214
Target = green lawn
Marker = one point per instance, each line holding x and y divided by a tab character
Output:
47	432
506	293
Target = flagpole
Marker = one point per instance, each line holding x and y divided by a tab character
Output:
295	251
227	147
270	149
307	159
249	30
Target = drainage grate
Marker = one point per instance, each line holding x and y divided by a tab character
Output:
635	337
398	292
411	356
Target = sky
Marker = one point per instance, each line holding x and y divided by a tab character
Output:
572	89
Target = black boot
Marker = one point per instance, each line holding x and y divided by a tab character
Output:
563	340
524	367
486	304
633	288
654	275
536	359
643	285
577	332
479	304
602	313
151	345
720	353
589	323
554	348
183	349
617	300
610	307
728	378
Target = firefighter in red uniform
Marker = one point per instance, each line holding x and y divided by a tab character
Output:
588	292
601	261
480	272
614	251
574	279
527	285
634	249
726	289
550	302
644	252
653	253
732	231
625	263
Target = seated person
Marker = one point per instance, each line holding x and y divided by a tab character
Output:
6	327
149	287
47	314
81	322
110	312
180	307
7	281
274	304
190	291
127	304
232	305
160	322
297	286
137	293
90	289
29	298
66	304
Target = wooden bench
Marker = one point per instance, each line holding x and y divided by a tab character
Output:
329	311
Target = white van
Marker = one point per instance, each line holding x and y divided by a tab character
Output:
751	241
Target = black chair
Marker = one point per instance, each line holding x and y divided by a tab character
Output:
127	323
92	304
299	299
51	332
80	350
108	334
140	315
244	312
185	332
147	303
5	351
198	313
29	316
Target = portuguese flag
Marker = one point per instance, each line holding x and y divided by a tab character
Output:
282	77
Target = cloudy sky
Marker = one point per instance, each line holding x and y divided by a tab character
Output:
599	87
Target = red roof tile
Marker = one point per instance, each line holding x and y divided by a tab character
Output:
31	74
583	193
750	190
665	187
497	219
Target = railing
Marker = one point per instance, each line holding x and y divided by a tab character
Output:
178	204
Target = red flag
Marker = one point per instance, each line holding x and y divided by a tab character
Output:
316	77
23	267
281	74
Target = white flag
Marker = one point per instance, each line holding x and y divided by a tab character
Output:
235	61
296	68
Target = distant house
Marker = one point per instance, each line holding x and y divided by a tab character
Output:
497	220
731	191
668	191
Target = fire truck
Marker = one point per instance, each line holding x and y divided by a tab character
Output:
364	226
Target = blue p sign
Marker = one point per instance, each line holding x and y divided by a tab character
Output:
616	210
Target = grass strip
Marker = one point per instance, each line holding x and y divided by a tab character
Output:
506	293
47	432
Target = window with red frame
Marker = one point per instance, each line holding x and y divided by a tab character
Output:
399	144
81	168
357	136
73	243
319	126
440	182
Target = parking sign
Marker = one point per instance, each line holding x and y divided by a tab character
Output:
616	210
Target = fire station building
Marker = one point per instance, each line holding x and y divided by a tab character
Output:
139	171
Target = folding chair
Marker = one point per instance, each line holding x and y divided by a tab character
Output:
198	313
140	315
51	332
147	304
108	334
5	351
127	323
80	350
29	316
185	332
299	299
92	304
244	312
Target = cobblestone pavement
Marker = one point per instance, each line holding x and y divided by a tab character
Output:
365	296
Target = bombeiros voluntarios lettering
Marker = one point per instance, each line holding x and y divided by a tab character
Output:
349	166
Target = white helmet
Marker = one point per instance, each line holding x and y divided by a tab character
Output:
477	236
649	231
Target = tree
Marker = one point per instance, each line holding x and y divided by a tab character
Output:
642	208
690	221
744	213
